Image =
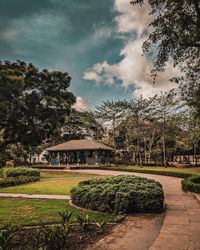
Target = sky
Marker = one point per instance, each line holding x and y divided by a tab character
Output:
98	42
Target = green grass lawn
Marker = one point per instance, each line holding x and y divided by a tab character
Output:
60	186
24	212
193	170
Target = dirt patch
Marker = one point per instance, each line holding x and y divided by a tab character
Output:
76	239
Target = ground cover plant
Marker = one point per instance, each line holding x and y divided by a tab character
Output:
191	184
120	194
62	185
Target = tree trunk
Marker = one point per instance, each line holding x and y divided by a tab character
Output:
163	144
195	153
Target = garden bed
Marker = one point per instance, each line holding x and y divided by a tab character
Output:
76	239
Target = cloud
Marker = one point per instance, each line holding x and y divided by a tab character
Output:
81	104
134	68
132	18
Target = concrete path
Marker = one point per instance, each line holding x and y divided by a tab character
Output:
36	196
180	229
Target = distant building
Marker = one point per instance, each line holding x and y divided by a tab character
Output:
77	152
39	158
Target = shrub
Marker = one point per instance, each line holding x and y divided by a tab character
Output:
191	184
11	181
150	171
120	194
20	171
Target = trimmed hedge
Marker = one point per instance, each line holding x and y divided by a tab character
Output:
20	171
191	184
11	181
120	194
145	171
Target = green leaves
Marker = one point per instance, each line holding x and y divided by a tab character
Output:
6	235
121	194
33	103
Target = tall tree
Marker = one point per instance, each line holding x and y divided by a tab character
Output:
110	112
136	111
79	125
165	106
33	103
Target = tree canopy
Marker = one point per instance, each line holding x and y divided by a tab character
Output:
175	33
34	103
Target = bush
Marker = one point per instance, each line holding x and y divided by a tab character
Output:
20	171
150	171
120	194
12	181
191	184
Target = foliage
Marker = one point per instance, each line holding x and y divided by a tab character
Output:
49	186
83	221
110	112
191	184
121	194
13	181
17	212
175	34
175	27
156	170
20	171
33	103
79	125
6	235
53	238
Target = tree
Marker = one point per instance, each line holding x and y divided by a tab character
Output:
110	112
79	125
175	30
175	33
33	103
193	134
136	112
165	106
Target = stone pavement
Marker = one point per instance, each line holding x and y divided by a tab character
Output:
36	196
181	226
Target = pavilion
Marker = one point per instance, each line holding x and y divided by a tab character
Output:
75	152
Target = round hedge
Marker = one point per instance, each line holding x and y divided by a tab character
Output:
120	194
191	184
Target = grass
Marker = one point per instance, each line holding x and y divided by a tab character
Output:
193	170
26	212
66	175
58	186
171	169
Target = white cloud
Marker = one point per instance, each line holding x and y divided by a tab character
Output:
81	104
132	18
134	68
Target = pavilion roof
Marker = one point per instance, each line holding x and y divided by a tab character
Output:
79	145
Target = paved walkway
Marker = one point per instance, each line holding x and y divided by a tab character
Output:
180	229
36	196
